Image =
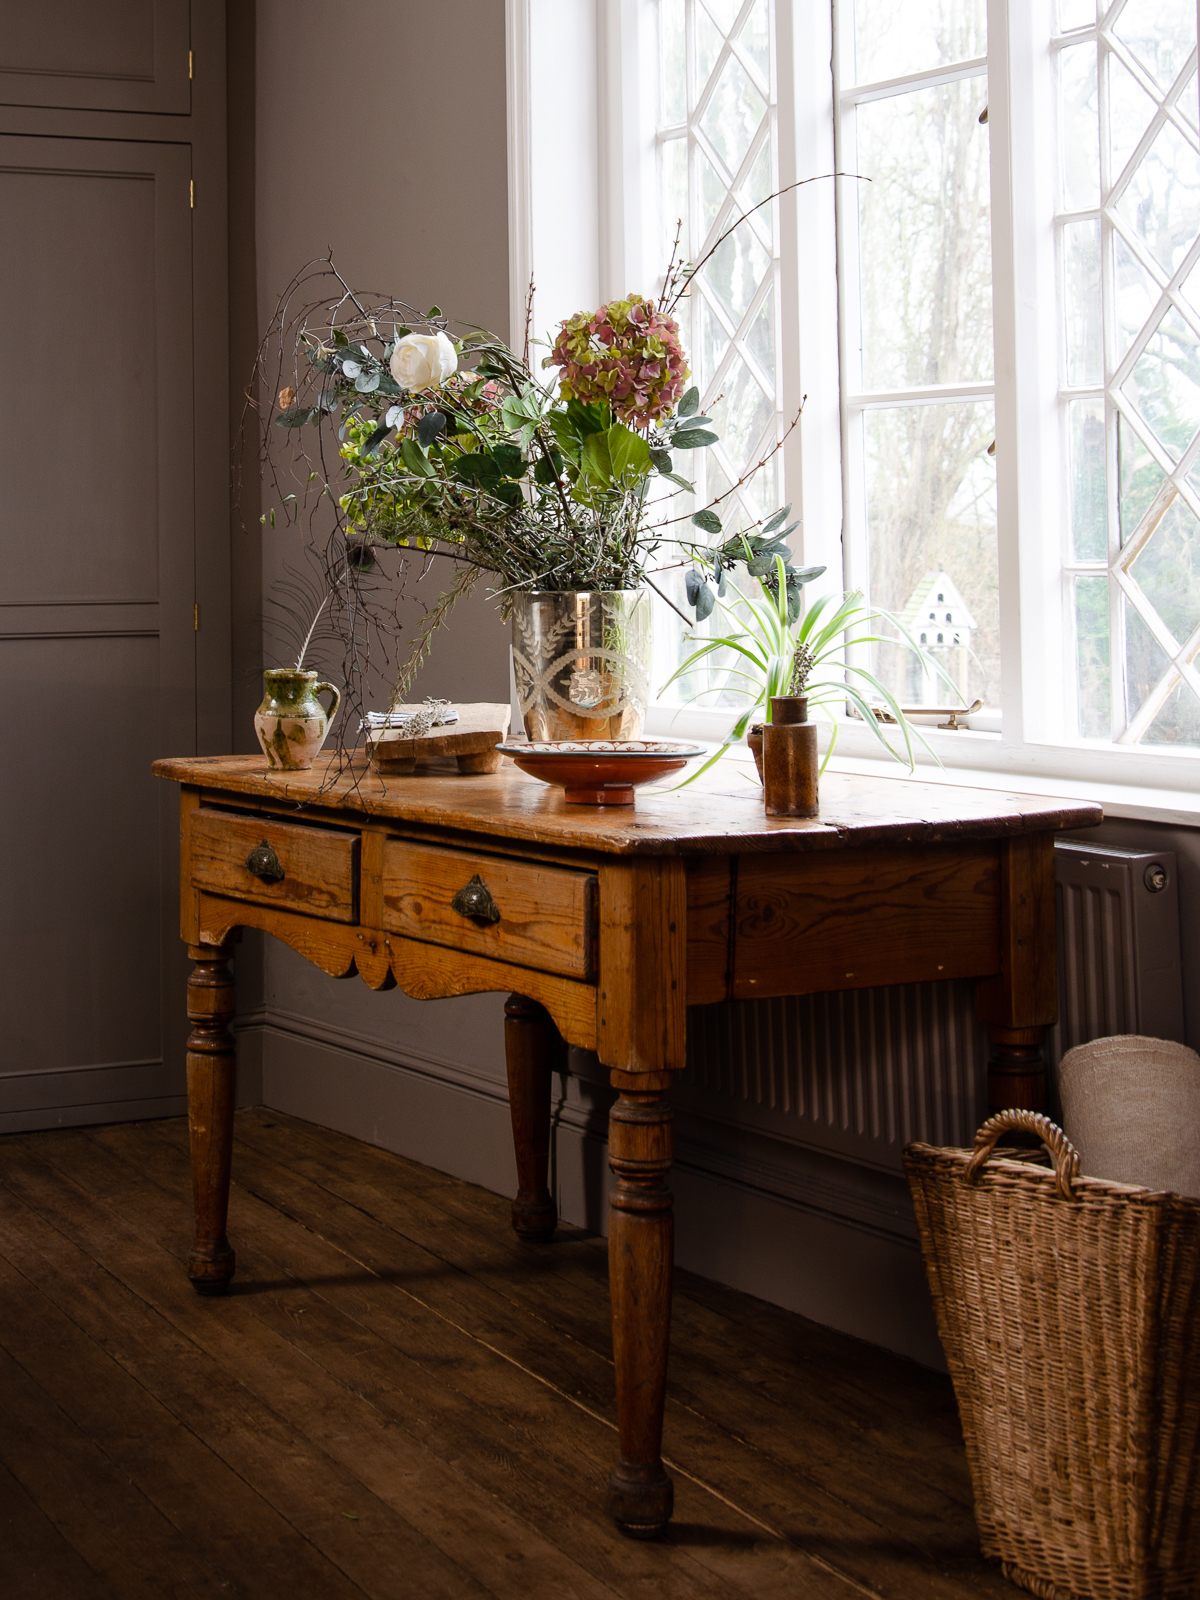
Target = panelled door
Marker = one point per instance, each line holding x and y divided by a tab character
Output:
98	552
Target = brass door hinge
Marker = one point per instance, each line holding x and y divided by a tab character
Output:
192	193
196	617
189	64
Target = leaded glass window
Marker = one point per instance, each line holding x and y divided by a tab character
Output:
716	140
1128	241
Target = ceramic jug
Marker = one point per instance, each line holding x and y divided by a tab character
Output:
292	723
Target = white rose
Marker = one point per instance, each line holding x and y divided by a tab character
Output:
423	360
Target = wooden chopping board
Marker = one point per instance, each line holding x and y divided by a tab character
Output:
472	741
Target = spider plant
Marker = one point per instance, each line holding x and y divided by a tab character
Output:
807	656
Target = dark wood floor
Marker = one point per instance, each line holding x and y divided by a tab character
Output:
401	1399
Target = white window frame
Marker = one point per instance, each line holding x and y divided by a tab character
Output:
584	240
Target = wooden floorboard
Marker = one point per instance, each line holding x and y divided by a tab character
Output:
400	1398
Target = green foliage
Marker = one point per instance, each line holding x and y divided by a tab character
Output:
767	642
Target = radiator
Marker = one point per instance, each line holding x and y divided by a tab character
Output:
861	1073
1118	944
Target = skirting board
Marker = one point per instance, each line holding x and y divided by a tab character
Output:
129	1091
861	1278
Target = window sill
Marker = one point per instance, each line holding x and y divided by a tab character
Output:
976	760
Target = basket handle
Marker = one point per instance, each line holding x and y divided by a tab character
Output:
1062	1152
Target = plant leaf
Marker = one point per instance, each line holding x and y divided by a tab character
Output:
691	422
377	438
594	459
690	403
294	417
548	468
428	428
674	477
693	439
415	458
708	520
777	520
509	459
662	461
628	452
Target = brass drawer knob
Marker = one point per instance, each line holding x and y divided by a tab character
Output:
474	900
265	864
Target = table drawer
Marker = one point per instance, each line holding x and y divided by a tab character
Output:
319	865
539	916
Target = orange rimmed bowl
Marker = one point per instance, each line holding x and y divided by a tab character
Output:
599	772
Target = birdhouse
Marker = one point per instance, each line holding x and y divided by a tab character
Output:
938	619
937	615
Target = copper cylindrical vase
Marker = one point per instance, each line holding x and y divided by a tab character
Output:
790	761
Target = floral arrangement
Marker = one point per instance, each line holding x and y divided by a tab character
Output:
627	354
456	449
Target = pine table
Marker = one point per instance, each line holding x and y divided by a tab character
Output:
603	924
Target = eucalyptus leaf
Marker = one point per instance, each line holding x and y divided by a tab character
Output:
294	417
691	422
693	439
367	382
662	461
352	368
708	520
692	584
428	428
775	521
376	439
690	403
705	601
682	483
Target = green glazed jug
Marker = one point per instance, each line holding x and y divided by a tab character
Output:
292	723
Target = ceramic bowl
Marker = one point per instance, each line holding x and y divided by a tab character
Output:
599	772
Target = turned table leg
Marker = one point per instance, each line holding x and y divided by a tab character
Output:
1021	1001
211	1083
532	1047
640	1255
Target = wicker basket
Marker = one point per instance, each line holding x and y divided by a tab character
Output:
1069	1311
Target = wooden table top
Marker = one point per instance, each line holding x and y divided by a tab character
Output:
721	815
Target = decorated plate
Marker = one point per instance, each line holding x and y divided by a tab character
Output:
599	772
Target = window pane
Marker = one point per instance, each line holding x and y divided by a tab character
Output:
1076	14
1165	384
1141	478
1092	658
1089	511
1161	204
1179	720
1079	127
931	514
924	238
1160	33
1081	285
1167	569
1145	661
895	37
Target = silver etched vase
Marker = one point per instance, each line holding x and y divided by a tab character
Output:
582	662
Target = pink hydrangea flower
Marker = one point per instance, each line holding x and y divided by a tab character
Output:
627	354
